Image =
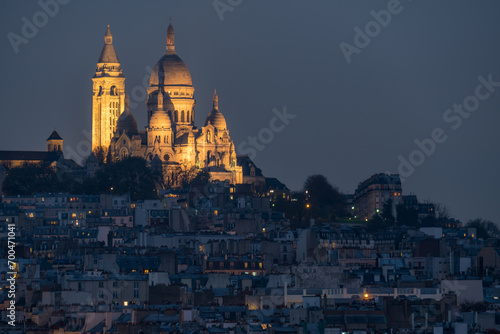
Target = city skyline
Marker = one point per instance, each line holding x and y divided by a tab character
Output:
356	114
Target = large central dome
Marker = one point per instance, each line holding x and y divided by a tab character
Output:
170	70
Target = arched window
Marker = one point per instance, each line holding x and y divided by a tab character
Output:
209	136
113	91
220	160
209	158
182	116
176	116
187	117
123	154
100	91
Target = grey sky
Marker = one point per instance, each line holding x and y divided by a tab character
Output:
353	120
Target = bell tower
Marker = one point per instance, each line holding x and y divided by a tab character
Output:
108	98
54	142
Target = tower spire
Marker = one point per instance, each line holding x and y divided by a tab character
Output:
108	38
216	100
160	99
108	53
170	38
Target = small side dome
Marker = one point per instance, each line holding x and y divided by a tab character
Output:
160	118
215	117
126	121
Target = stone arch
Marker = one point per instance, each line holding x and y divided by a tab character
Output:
209	158
220	158
124	153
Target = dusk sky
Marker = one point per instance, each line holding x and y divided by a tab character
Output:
353	119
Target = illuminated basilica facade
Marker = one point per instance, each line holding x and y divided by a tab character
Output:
170	136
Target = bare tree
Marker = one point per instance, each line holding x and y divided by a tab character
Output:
442	212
